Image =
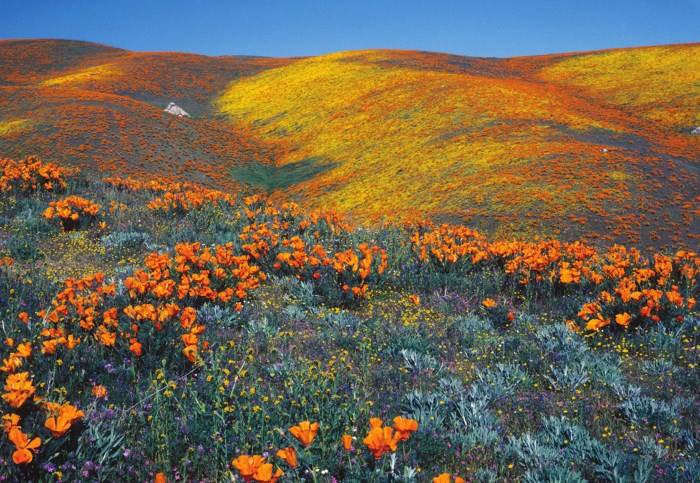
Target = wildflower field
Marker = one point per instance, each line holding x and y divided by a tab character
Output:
167	331
594	146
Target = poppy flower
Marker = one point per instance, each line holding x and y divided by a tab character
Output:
24	349
347	442
447	478
189	339
489	303
305	432
23	453
623	319
289	455
18	389
136	348
597	323
256	468
381	440
60	423
375	423
190	352
405	427
248	465
10	421
99	391
264	474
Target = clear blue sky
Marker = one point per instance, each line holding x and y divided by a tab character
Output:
305	27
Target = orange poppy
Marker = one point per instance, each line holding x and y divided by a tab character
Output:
60	423
597	324
289	455
447	478
25	447
489	303
623	319
305	432
380	440
10	421
190	352
375	423
99	391
136	348
248	465
18	389
404	427
255	468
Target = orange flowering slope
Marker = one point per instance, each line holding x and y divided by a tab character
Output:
567	144
84	104
515	144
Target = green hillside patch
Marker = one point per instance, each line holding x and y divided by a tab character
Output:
270	178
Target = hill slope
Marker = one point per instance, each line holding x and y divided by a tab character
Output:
528	144
570	145
95	106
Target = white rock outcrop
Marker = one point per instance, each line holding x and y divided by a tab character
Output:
176	110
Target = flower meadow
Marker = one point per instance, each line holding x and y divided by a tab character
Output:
166	331
592	146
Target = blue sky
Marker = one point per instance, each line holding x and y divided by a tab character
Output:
305	27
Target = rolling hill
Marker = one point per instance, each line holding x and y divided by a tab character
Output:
595	145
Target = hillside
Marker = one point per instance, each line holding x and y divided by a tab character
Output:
94	106
594	145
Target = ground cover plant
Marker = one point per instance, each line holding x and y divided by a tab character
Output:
167	331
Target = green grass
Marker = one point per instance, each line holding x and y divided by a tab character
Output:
270	177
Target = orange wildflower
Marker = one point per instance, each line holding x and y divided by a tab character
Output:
190	352
597	324
404	427
24	452
623	319
18	389
447	478
10	421
188	317
60	423
255	468
305	432
289	455
489	303
380	440
248	465
347	442
375	423
136	348
99	391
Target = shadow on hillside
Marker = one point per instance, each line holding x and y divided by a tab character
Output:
270	177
